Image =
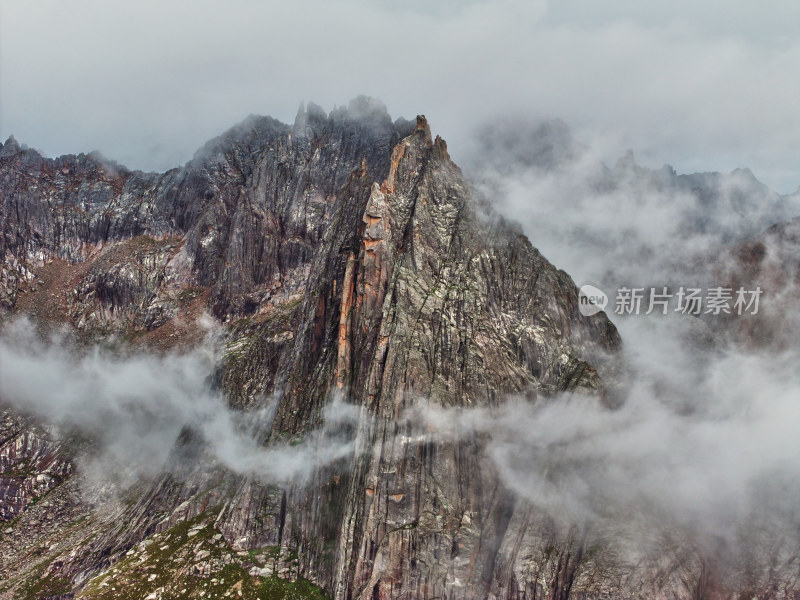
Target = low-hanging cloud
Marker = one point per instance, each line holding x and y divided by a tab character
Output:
618	225
134	408
704	438
700	450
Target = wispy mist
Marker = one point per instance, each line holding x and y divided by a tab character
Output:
705	440
134	408
704	454
621	224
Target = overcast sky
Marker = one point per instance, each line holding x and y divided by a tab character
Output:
708	85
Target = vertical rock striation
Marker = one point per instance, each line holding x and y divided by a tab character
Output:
345	256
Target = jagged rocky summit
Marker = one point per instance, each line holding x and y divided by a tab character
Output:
345	254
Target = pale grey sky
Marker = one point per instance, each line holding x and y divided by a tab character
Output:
702	85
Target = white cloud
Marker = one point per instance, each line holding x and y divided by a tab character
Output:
134	408
702	445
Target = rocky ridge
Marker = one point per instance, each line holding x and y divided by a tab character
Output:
342	256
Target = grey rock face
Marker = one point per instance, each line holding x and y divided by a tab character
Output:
31	464
347	255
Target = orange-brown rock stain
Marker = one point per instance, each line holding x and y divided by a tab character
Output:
387	187
345	319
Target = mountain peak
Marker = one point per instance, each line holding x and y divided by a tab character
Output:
323	284
10	147
745	174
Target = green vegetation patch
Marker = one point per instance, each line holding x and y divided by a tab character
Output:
190	561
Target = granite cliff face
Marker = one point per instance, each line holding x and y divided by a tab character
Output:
346	257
